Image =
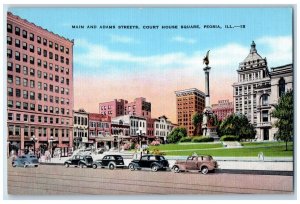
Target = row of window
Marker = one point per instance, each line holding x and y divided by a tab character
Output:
17	69
32	107
18	80
17	32
31	49
31	59
33	118
99	124
15	130
31	95
80	120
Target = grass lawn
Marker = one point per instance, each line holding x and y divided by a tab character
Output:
275	149
186	146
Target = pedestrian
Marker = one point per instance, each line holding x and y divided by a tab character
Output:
59	154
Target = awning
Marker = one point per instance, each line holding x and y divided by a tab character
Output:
99	139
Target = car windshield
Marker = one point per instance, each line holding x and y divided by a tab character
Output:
119	158
160	158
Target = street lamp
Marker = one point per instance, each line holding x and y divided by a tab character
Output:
50	141
33	139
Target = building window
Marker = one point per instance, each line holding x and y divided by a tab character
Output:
31	84
17	43
45	64
17	56
24	34
31	36
281	87
25	96
31	48
18	117
9	28
32	73
9	53
9	66
265	117
56	46
45	109
24	45
17	31
56	57
39	62
10	116
62	48
32	118
50	44
32	107
50	66
265	100
9	40
50	55
18	68
31	60
25	106
45	119
39	51
45	53
25	118
45	42
18	80
18	92
39	74
18	104
10	91
67	61
32	95
39	39
10	103
25	57
45	87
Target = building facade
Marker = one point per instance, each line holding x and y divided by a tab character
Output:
139	107
113	108
162	128
222	109
39	87
257	90
188	102
150	128
80	128
100	130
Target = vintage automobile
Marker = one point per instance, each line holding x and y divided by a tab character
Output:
25	161
79	160
154	162
203	163
110	161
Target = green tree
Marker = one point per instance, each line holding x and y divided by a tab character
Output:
176	134
284	111
197	121
239	125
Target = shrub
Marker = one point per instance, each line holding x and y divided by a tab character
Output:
157	152
185	139
229	138
132	146
202	139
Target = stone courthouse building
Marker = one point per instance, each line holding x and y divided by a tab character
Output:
258	89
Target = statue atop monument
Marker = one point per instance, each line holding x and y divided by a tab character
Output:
205	59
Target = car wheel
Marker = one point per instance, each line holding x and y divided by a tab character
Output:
154	168
35	166
67	165
204	170
94	166
81	165
176	169
13	164
111	166
131	167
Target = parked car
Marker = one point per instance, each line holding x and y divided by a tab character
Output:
79	160
155	162
203	163
26	161
110	161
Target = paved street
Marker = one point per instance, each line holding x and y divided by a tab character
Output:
58	180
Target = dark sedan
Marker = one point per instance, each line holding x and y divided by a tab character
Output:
25	161
110	161
79	160
154	162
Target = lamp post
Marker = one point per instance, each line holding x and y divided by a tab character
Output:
33	139
50	141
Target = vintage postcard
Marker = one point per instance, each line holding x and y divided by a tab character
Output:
149	101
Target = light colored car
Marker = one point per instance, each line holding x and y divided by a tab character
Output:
26	161
203	163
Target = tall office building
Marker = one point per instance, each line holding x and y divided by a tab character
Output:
188	102
39	87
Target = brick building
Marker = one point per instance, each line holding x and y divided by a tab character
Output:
113	108
39	87
222	109
188	102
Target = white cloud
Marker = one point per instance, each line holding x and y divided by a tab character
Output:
279	50
122	39
183	40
